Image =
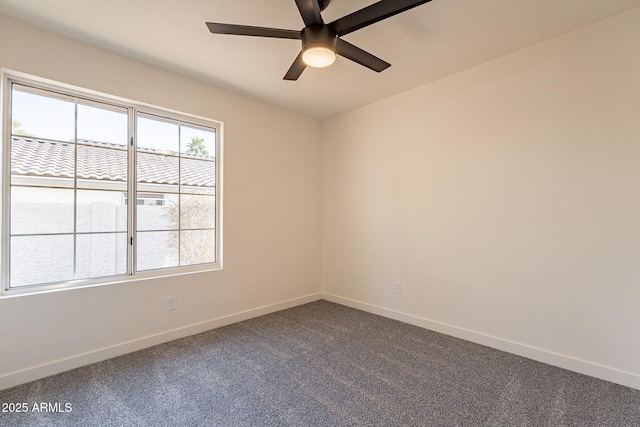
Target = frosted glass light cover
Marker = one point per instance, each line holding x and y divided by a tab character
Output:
318	57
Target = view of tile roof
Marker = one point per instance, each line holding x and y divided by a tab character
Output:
108	162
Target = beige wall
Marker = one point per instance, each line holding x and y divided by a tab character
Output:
271	219
506	198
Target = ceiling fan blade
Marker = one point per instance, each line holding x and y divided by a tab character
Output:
310	12
246	30
372	14
296	68
360	56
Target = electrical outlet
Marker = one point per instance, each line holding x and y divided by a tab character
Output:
397	287
170	303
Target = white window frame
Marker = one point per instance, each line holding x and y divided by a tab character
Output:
8	77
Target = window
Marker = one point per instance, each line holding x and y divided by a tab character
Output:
71	161
147	200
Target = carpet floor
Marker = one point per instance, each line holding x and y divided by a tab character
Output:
321	364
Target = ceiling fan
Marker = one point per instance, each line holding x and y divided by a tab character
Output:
321	42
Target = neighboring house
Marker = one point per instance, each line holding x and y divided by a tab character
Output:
42	186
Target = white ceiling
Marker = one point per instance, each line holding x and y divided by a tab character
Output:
423	44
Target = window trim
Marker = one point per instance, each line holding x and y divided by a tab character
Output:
8	77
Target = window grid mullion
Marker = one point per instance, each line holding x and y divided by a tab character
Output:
79	233
179	194
75	188
132	226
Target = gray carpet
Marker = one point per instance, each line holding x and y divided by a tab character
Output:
322	364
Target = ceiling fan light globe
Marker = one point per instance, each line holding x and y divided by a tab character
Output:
318	56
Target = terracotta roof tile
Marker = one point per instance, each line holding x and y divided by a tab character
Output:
106	161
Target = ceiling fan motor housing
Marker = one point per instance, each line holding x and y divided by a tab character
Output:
323	4
318	36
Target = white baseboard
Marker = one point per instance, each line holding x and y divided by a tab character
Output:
36	372
606	373
570	363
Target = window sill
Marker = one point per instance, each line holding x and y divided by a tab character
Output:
113	280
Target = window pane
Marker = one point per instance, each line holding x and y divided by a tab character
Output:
99	255
197	141
41	259
157	249
197	173
158	216
101	211
37	210
197	247
197	211
42	114
157	134
38	159
157	169
102	123
101	164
